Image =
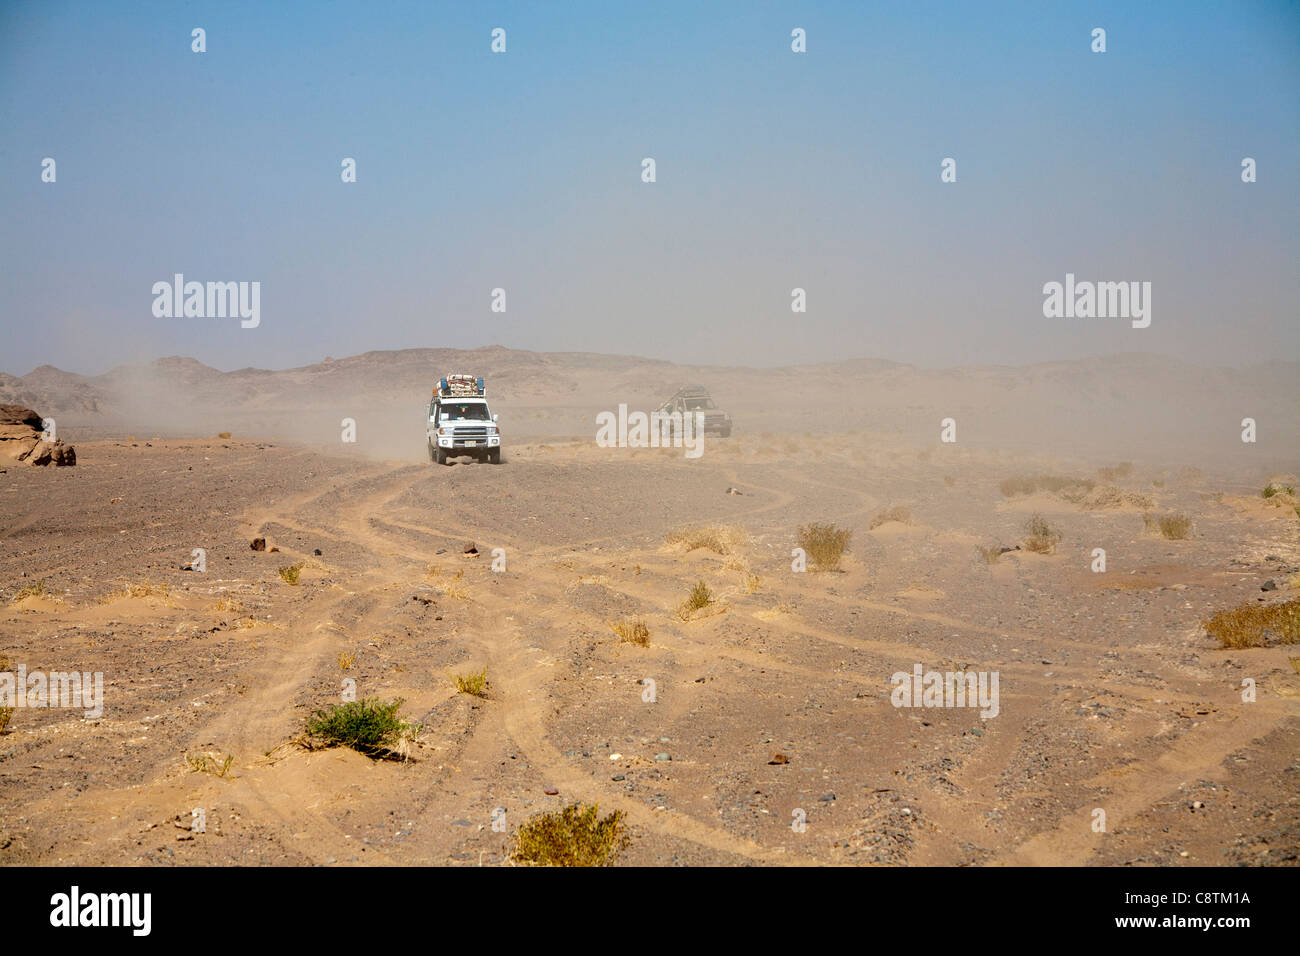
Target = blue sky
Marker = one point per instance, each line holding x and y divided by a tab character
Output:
522	171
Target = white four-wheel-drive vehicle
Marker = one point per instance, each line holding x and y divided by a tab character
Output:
460	422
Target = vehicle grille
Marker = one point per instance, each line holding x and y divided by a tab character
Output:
471	433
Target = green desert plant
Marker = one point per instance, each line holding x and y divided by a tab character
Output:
368	726
289	573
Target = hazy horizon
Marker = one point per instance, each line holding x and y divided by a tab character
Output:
775	170
150	360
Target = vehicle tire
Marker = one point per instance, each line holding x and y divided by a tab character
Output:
440	456
494	456
432	454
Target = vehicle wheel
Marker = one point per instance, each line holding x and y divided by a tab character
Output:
494	456
432	454
440	456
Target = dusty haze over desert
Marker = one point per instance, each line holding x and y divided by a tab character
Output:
995	307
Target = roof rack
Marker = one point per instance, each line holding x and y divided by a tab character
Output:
460	386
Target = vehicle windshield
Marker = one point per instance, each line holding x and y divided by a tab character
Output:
472	412
695	404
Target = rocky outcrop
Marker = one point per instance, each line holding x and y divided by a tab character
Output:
22	439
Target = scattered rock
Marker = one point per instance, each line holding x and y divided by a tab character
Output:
423	600
663	757
258	544
1269	585
777	760
550	791
317	552
734	491
470	548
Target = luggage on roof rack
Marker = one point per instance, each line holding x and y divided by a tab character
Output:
453	386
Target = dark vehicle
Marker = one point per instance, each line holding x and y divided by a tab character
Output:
690	399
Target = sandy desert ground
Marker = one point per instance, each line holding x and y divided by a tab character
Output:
1112	695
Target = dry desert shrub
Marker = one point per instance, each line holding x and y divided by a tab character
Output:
6	713
473	683
825	544
900	514
346	659
289	573
1175	527
721	539
699	598
1106	496
990	554
140	590
1112	473
575	836
223	434
1041	538
28	590
1280	495
210	763
632	630
1028	484
250	622
453	587
1256	625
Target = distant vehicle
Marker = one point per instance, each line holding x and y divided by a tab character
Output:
460	422
690	399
